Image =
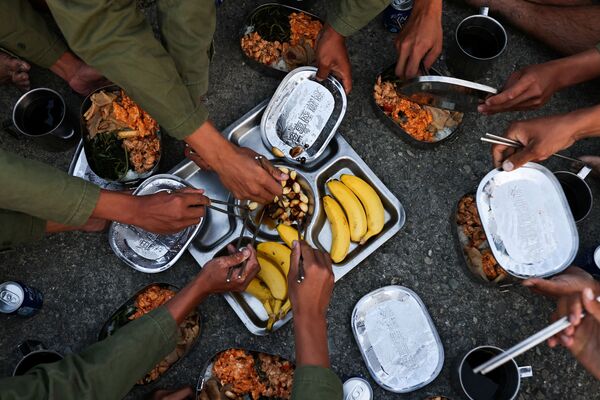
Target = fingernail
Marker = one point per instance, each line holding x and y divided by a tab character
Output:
564	338
587	292
528	283
246	252
480	108
507	166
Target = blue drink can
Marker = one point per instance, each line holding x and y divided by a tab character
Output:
18	298
396	15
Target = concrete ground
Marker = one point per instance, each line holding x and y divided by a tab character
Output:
83	282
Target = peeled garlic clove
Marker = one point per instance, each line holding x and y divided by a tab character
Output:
296	151
276	199
276	152
252	206
284	170
296	187
304	207
283	183
293	175
294	203
303	198
287	190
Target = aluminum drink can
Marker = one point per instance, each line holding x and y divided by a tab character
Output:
18	298
396	15
357	389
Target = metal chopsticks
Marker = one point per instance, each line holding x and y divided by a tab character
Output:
525	345
301	235
495	139
238	245
252	242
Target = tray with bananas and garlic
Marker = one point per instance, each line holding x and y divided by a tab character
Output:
348	212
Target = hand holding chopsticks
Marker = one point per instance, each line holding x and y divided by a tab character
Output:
494	139
589	303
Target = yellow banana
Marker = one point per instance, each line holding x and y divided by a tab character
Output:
287	234
277	307
272	277
257	289
285	308
277	253
355	212
340	231
268	308
370	201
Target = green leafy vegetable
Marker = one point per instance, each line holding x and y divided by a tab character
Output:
109	158
272	23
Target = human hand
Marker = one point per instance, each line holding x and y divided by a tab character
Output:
311	297
166	213
332	57
582	338
526	89
214	273
420	41
247	177
541	137
573	280
190	154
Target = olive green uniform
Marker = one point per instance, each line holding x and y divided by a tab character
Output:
108	369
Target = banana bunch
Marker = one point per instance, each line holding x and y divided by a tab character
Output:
270	284
355	213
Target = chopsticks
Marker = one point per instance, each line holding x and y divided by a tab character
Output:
253	241
229	204
495	139
301	234
238	246
525	345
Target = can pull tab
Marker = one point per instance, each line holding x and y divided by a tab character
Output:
526	372
356	393
484	11
584	172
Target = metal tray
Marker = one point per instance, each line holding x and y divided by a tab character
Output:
527	220
131	177
206	373
220	229
397	339
247	28
388	74
303	113
120	318
146	251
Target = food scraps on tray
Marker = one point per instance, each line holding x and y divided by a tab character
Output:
116	123
257	374
474	242
293	205
152	298
420	122
282	42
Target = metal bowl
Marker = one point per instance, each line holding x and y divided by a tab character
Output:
248	27
126	177
388	74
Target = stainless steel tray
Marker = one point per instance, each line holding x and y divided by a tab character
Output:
220	229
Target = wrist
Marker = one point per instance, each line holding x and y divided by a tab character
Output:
331	33
428	7
585	121
116	206
66	66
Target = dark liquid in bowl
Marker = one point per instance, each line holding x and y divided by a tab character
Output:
578	204
42	115
479	42
499	384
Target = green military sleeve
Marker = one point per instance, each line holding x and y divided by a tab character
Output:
17	228
115	38
24	32
37	189
598	46
104	371
316	383
347	17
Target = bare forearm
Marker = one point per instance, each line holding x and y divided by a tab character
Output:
587	122
187	299
311	341
577	68
115	206
208	142
432	8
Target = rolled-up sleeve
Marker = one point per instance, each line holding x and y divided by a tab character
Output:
347	17
115	38
316	383
42	191
17	228
105	370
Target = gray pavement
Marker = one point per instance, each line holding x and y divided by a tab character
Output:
84	283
